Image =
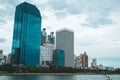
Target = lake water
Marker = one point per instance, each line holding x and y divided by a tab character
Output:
74	77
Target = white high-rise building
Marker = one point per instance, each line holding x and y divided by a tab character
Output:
94	63
46	54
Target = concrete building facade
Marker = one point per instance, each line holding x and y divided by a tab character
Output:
65	41
46	53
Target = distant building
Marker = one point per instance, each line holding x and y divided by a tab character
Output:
26	35
110	68
65	41
59	57
5	59
84	60
46	54
78	63
94	63
101	67
1	54
1	57
9	58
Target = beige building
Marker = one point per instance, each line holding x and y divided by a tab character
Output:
84	60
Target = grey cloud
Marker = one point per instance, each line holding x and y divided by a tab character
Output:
86	6
2	40
116	40
73	9
109	58
2	22
92	43
3	16
89	43
6	11
44	17
57	4
100	7
60	6
96	22
60	14
10	2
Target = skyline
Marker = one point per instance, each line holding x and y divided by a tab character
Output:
96	25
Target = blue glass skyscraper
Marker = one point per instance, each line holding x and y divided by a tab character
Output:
59	57
26	35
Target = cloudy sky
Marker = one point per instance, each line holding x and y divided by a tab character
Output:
96	25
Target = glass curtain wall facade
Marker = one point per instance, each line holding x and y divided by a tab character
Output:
58	57
26	35
61	57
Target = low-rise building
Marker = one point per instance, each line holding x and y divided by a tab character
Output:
110	68
1	57
9	58
94	63
78	63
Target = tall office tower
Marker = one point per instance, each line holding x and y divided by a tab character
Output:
84	60
59	57
26	35
65	41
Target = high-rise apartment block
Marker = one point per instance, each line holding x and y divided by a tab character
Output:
84	60
65	41
47	48
46	54
26	35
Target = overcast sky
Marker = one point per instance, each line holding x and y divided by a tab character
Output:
96	25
